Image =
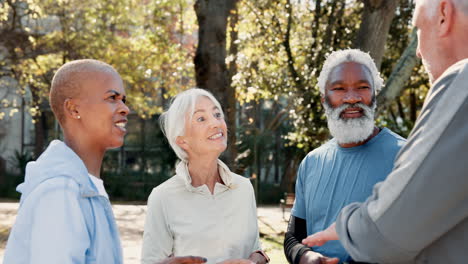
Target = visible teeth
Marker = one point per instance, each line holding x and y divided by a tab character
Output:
215	136
121	124
352	112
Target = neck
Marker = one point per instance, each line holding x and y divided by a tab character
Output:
454	47
91	157
355	144
204	171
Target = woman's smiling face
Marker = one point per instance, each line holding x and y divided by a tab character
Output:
205	130
102	109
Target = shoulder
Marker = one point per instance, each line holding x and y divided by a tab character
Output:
458	69
56	186
241	181
171	186
54	200
452	77
393	137
320	152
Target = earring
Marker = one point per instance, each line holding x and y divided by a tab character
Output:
78	117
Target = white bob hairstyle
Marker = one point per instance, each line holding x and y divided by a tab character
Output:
349	55
173	120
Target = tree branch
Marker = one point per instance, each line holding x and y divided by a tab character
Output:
400	74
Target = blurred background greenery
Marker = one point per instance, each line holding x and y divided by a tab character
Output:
260	58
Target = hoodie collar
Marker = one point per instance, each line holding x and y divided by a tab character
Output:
58	160
226	175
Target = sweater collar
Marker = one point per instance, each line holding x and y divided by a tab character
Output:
224	172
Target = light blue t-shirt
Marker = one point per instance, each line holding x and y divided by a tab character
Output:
331	177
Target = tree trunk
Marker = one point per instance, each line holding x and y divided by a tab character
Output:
289	177
210	62
39	135
400	74
375	24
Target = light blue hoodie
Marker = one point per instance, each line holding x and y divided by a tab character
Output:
62	218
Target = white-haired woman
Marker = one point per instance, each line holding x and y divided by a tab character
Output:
205	209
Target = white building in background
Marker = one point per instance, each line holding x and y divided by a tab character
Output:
16	127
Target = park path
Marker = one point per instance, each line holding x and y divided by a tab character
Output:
131	218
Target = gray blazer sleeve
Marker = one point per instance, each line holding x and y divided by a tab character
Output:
426	194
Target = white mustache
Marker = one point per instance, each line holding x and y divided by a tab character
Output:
353	129
335	113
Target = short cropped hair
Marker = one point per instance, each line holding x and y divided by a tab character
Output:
173	120
68	80
349	55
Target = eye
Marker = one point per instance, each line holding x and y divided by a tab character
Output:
364	87
113	97
200	119
124	100
218	115
338	88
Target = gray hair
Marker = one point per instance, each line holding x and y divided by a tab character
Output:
173	120
431	6
349	55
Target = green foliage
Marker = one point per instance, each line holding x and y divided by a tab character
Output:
150	43
282	48
20	160
269	193
132	186
401	115
8	186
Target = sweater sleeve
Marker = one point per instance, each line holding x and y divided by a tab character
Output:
425	195
157	238
256	245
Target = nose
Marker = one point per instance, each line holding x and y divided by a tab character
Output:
352	97
215	122
123	109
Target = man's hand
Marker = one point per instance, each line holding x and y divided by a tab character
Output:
183	260
237	261
310	257
257	258
322	237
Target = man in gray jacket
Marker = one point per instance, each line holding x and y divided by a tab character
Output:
419	214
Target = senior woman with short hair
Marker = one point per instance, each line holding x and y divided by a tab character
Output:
205	209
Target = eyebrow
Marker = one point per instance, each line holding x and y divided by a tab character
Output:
341	82
124	97
203	110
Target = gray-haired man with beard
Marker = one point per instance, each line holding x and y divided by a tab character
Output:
344	169
419	214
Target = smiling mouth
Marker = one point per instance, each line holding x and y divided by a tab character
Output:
352	113
121	125
216	136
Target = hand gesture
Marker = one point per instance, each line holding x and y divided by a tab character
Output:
311	257
322	237
183	260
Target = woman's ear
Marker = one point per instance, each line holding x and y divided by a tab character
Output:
70	108
180	141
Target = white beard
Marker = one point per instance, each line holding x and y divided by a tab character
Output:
350	130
